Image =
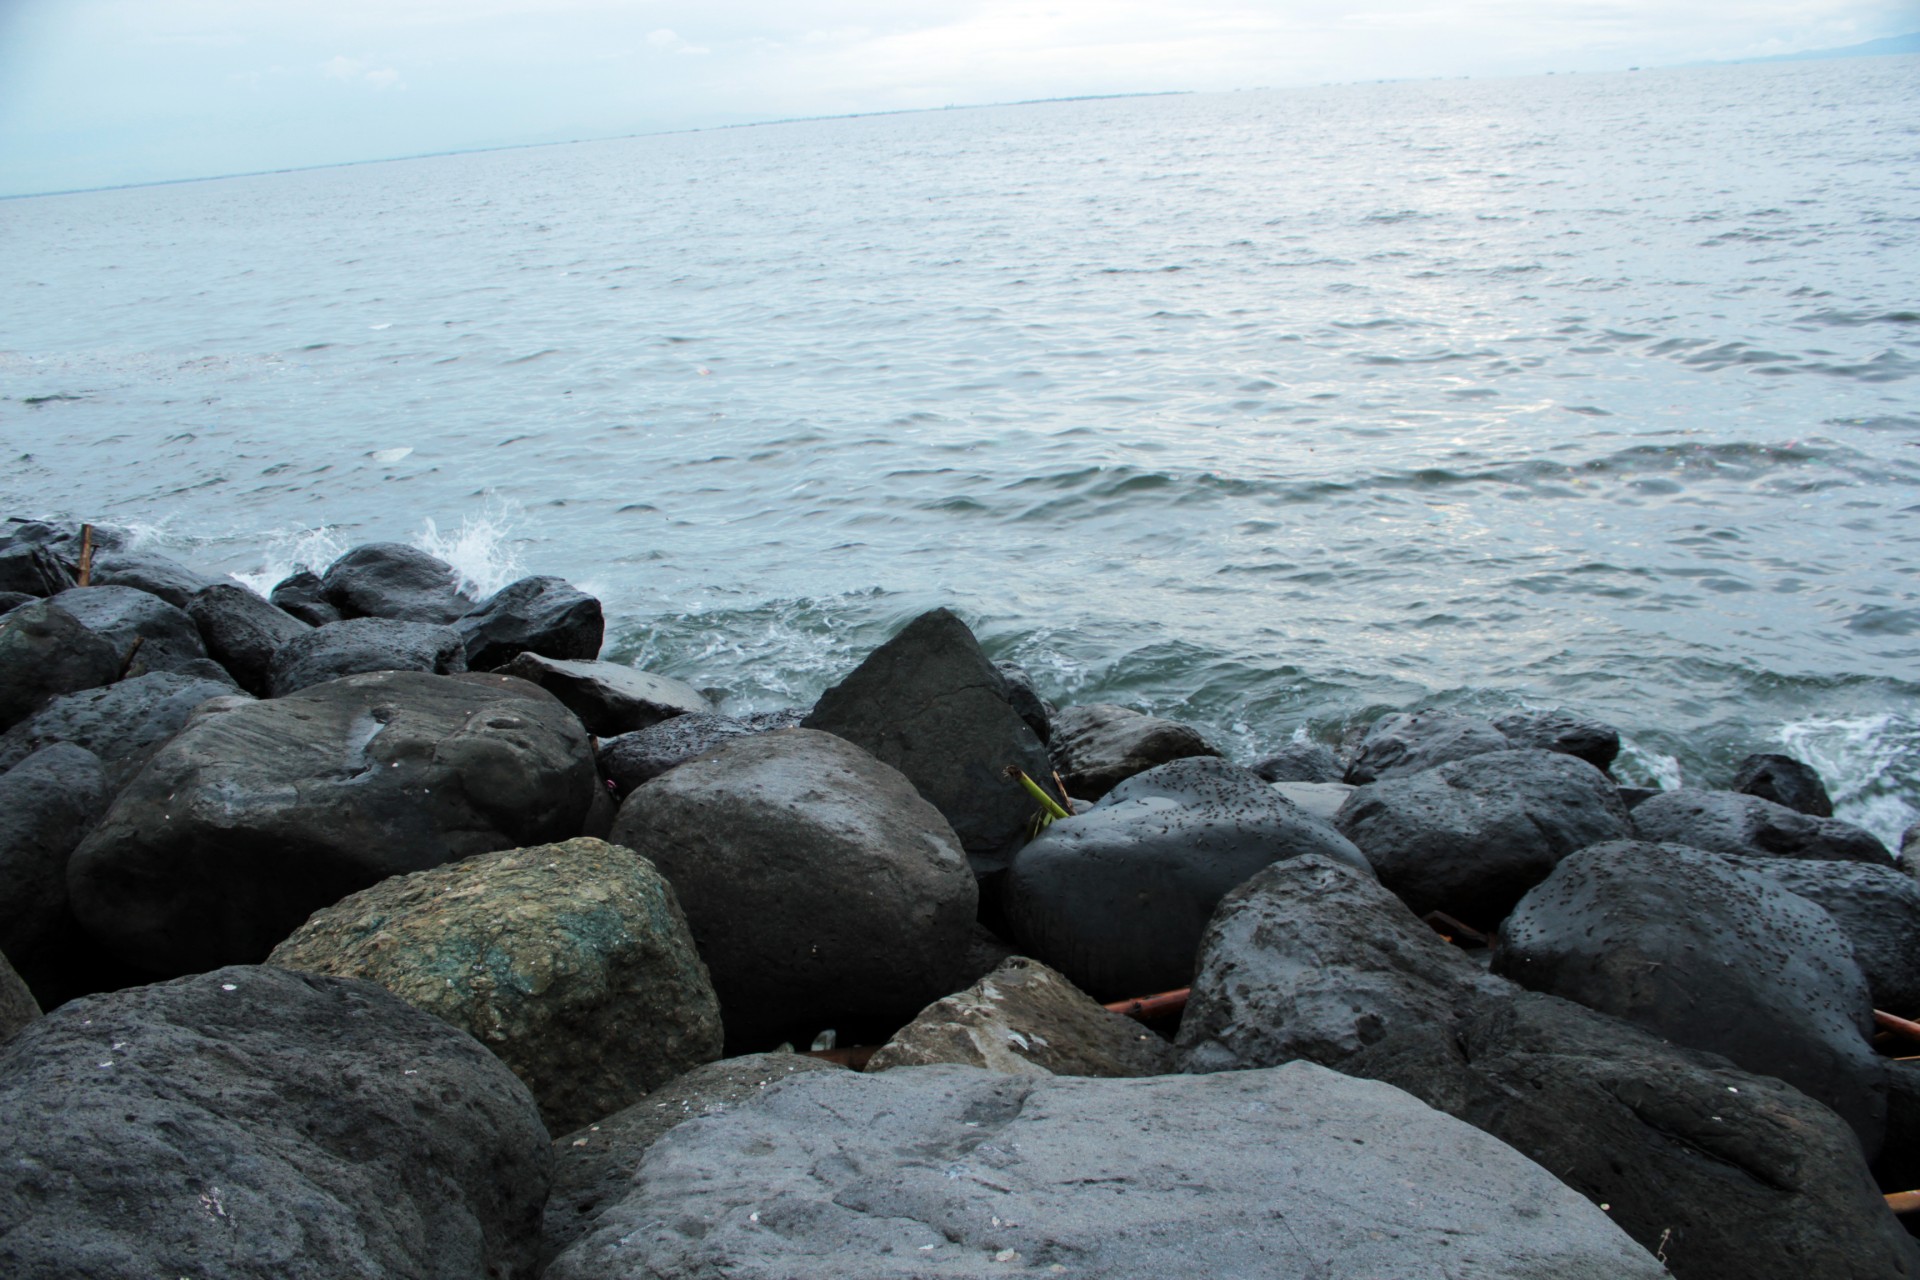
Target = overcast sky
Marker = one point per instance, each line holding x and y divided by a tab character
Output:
102	92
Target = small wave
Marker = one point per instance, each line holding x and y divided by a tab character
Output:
1871	765
480	550
287	551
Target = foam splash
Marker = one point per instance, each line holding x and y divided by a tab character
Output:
1642	766
480	550
287	551
1871	765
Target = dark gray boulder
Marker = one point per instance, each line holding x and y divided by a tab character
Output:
1098	746
818	883
17	1005
1730	822
393	580
33	571
48	802
242	631
1117	898
303	595
633	758
11	600
123	724
1785	781
930	704
1469	837
609	698
154	574
1564	731
62	537
126	616
357	646
1878	908
954	1171
255	1122
1898	1168
547	616
1026	700
45	652
1301	762
1403	743
1692	948
257	814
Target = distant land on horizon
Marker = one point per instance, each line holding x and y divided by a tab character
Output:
1909	43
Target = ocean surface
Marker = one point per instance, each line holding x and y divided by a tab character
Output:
1268	411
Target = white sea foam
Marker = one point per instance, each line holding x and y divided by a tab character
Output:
1871	765
481	550
285	551
1642	766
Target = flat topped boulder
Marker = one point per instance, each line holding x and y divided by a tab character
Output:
357	646
931	704
1737	823
127	616
1100	745
609	698
1403	743
393	580
954	1171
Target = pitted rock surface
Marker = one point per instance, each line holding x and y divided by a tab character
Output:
393	580
645	754
1100	745
1878	908
242	632
359	646
45	652
543	615
122	616
1784	780
1563	731
1403	743
123	724
1732	822
609	698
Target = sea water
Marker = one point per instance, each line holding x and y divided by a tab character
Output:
1266	411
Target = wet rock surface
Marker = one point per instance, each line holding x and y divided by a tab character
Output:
1785	781
48	802
302	595
126	616
156	575
637	757
1563	731
609	699
1301	762
1877	908
32	570
1730	822
542	615
1100	745
359	646
393	580
45	652
1404	743
242	632
17	1005
123	724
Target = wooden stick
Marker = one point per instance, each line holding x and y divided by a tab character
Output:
1899	1026
1904	1201
1451	929
1164	1005
85	577
128	664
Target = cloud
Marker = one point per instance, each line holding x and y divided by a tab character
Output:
671	42
358	71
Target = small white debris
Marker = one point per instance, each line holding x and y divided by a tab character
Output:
579	1142
1014	1037
926	1248
1607	1208
228	986
1731	1089
410	1071
107	1063
1006	1255
754	1216
119	1044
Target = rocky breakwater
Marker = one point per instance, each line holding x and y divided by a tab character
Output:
403	799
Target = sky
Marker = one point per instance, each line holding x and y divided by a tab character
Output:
108	92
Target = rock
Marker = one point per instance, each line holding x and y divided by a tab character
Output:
361	645
1721	1172
1323	800
45	652
1118	897
123	724
547	616
593	1167
953	1171
1026	700
1301	762
1898	1168
1401	744
1469	837
1634	797
1026	1019
1878	908
571	961
33	571
17	1005
62	537
930	704
1692	948
155	575
818	883
47	803
122	616
634	758
1563	731
1101	745
11	600
242	632
1729	822
1785	781
1311	959
1910	849
257	814
256	1122
986	951
393	580
303	596
610	699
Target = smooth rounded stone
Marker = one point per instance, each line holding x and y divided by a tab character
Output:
45	652
1470	837
33	571
1100	745
17	1005
1403	743
1301	762
361	645
1730	822
1026	699
1785	781
593	1167
254	1122
257	814
1878	908
48	802
547	616
1564	731
302	595
394	580
1321	799
818	883
609	698
1691	947
571	961
930	704
126	616
154	574
123	724
11	600
1026	1019
637	757
242	632
1312	959
1117	898
954	1171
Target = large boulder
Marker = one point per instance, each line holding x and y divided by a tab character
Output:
1731	822
125	617
1469	837
1100	745
1117	898
1691	947
1785	781
609	698
33	571
393	580
1403	743
257	814
1026	699
155	574
633	758
45	652
929	703
547	616
1575	735
242	632
302	595
1878	908
1026	1019
253	1122
48	802
123	724
1301	762
571	961
953	1171
818	883
361	645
